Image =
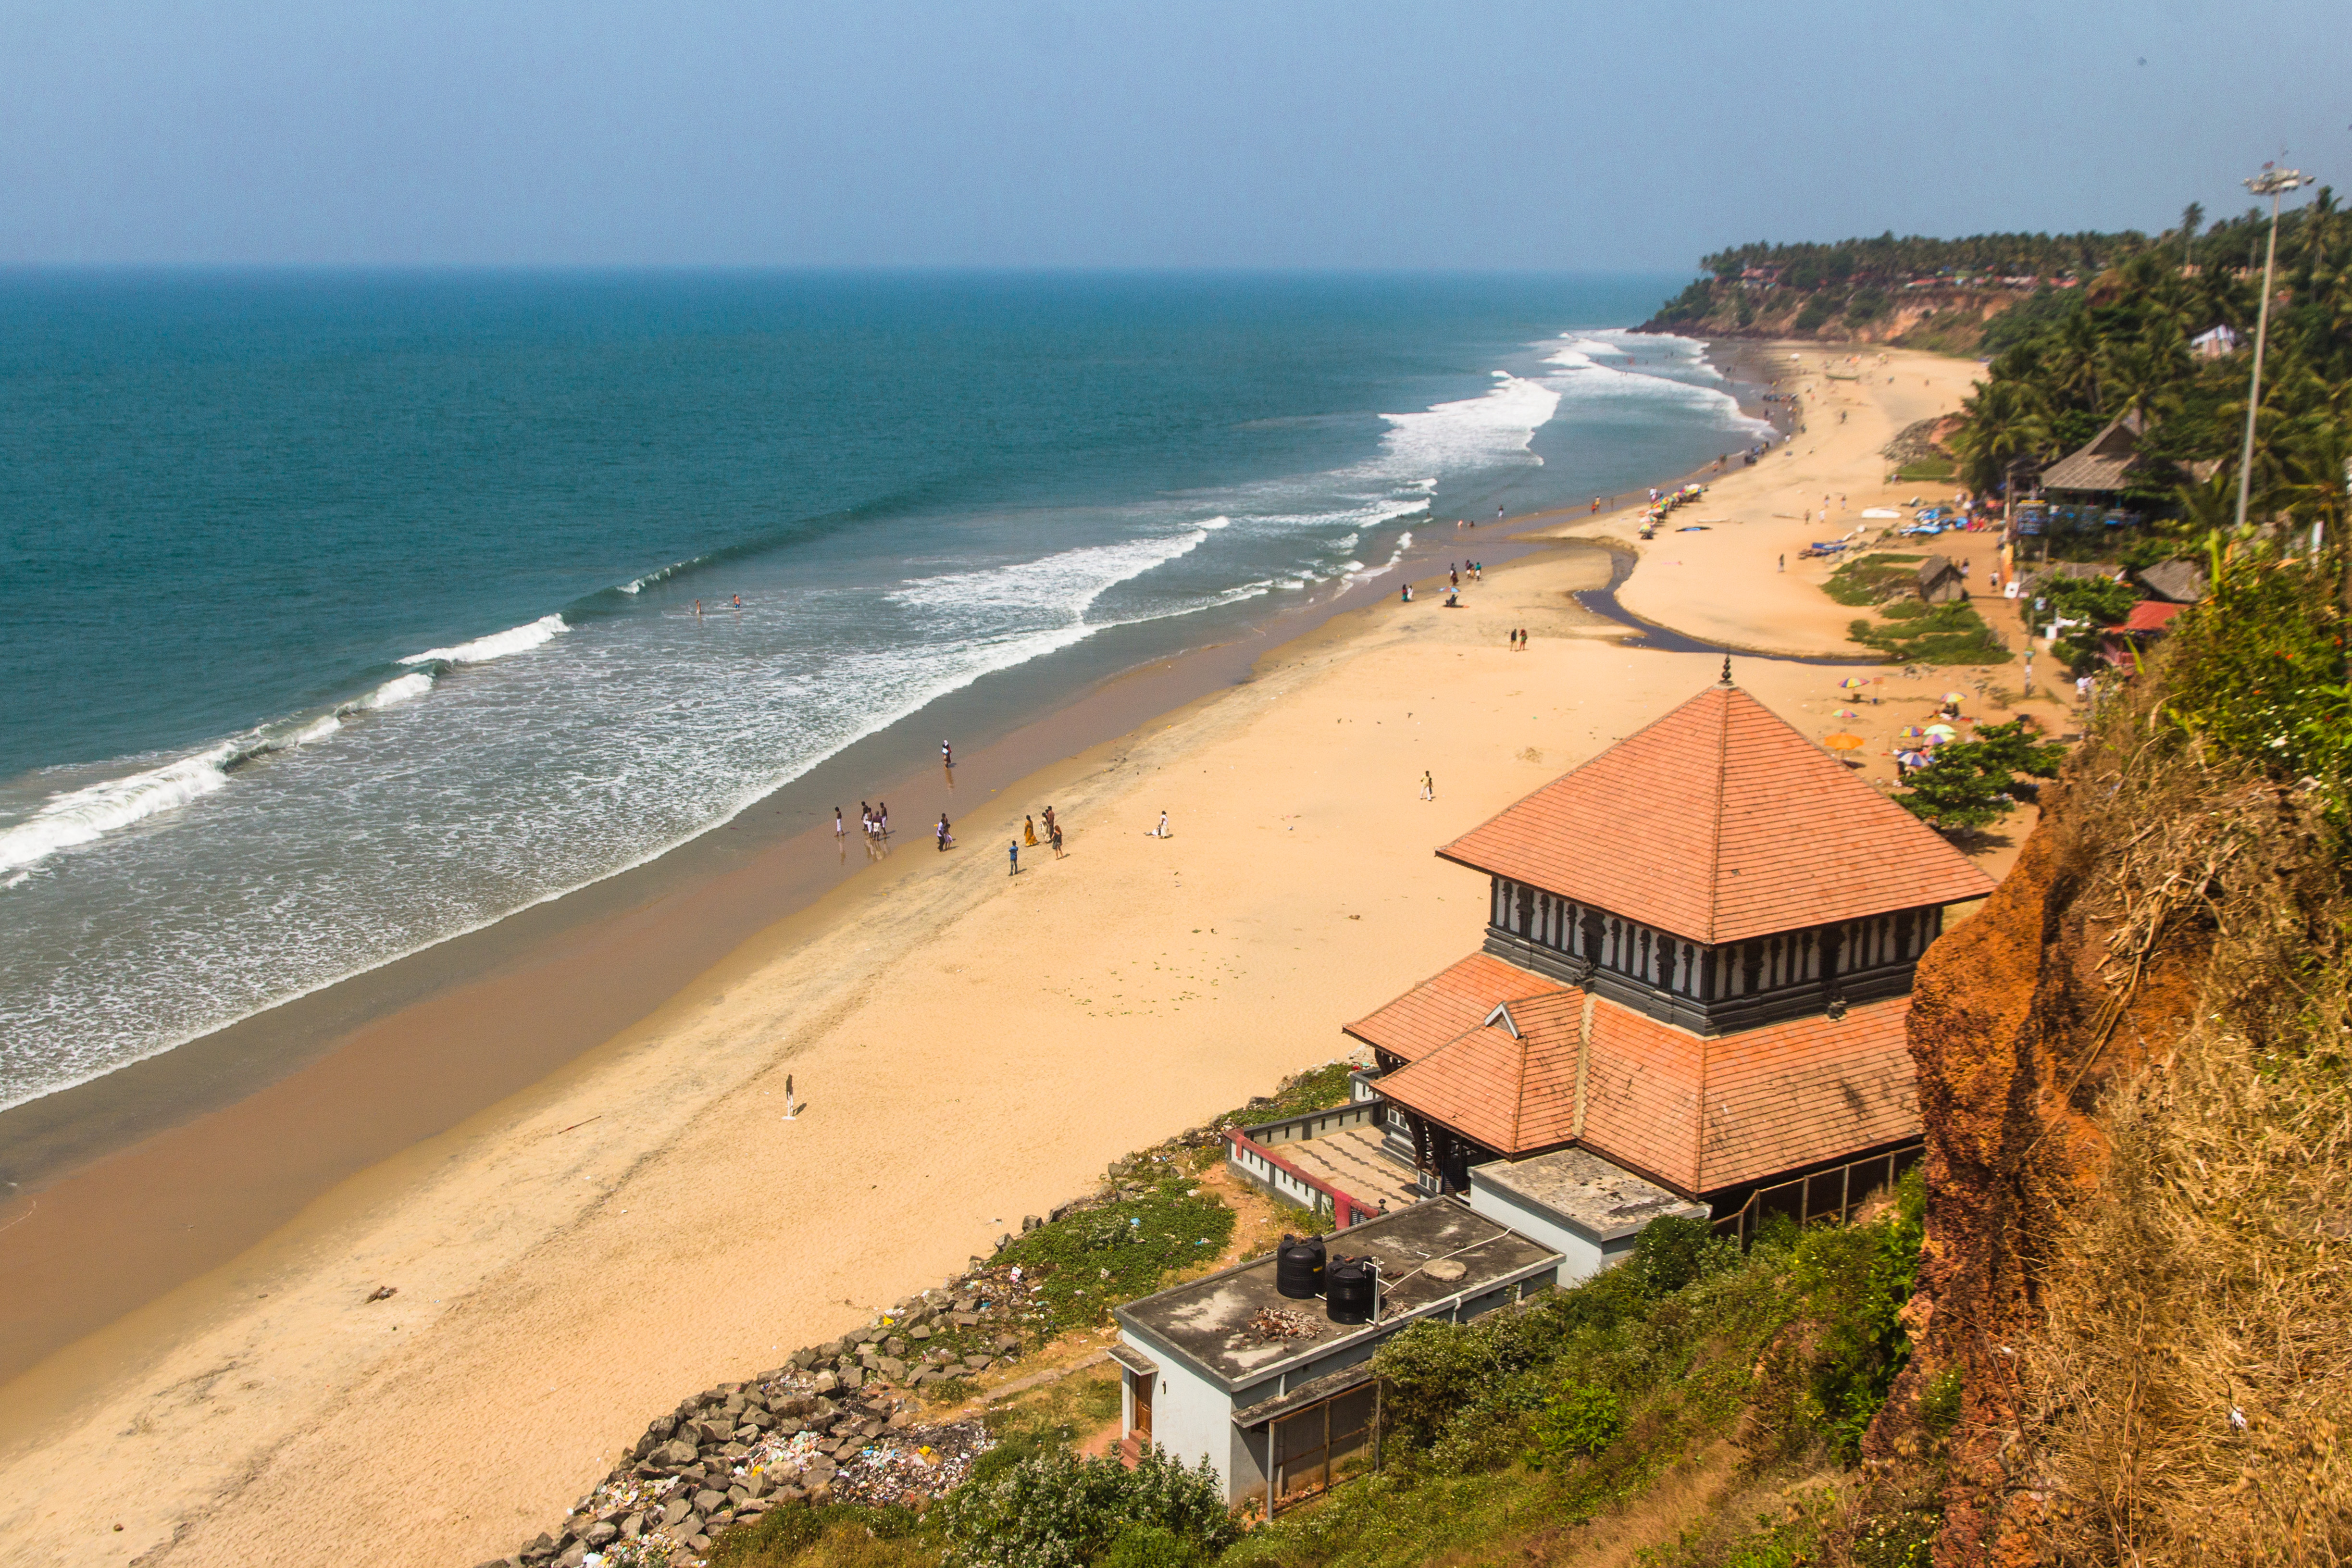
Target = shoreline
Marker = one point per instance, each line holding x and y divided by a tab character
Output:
558	1278
123	1186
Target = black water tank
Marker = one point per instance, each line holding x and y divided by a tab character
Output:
1298	1267
1349	1289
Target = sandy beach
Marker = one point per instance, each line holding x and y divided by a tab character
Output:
968	1046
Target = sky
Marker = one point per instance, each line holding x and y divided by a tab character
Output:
1472	134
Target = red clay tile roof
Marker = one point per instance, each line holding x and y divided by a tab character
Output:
2149	615
1795	1093
1441	1007
1513	1093
1697	1113
1719	823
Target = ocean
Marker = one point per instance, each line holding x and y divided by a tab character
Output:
347	612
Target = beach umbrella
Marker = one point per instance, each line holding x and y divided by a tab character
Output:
1954	697
1853	682
1912	759
1844	743
1910	731
1847	713
1942	732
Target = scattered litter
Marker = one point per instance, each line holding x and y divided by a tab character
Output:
1272	1323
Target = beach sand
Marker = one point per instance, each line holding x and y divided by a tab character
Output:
968	1047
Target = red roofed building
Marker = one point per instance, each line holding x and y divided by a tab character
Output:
1698	966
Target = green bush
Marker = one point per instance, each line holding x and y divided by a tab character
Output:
1816	314
1676	1250
1151	1546
2257	670
1054	1512
1576	1423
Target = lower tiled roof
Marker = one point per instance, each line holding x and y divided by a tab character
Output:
1698	1113
1441	1007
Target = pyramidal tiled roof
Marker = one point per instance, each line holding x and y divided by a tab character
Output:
1718	822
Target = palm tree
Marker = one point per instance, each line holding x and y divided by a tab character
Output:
2007	423
2192	219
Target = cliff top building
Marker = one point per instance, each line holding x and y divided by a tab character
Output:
1697	964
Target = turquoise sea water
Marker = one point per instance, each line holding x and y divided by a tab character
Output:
347	612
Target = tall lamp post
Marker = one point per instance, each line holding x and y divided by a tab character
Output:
2272	183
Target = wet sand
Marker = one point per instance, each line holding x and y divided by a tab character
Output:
595	1239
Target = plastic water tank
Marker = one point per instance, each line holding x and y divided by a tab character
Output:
1350	1292
1298	1267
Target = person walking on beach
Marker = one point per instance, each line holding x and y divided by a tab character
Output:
1029	831
947	755
946	837
1161	831
1013	853
1784	565
1050	828
839	827
1054	834
1453	576
1428	785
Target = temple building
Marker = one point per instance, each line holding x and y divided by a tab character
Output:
1697	964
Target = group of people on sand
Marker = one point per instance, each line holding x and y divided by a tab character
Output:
1029	835
1520	640
873	820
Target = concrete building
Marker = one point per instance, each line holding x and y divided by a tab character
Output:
1268	1387
1576	1204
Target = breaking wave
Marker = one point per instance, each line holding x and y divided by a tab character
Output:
497	644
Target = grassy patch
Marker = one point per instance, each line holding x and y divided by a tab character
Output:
837	1535
1929	468
1047	1422
1088	1262
1867	579
1317	1089
1931	634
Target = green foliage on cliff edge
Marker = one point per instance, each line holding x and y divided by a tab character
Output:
2258	670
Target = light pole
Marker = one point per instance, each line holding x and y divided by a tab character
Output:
2272	183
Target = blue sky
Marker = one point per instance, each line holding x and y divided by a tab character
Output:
1045	133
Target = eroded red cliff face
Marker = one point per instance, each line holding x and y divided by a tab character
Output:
2014	1030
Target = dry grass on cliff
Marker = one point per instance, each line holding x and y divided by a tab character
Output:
2192	1380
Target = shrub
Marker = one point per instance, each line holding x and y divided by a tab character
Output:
1815	315
1576	1423
1676	1250
1939	1403
1090	1260
1054	1512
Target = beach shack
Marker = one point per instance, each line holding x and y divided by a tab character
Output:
1276	1391
1939	581
1696	969
2103	466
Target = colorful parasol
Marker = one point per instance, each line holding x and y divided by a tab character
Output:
1843	742
1913	759
1847	713
1854	683
1955	697
1942	732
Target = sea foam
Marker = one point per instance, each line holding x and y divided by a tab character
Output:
497	644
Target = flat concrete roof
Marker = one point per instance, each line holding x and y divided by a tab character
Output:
1211	1322
1603	1200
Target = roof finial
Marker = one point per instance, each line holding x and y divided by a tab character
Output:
1726	669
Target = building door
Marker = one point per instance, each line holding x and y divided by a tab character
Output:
1141	1425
